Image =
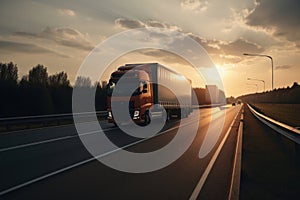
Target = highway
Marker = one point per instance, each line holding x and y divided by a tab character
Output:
52	163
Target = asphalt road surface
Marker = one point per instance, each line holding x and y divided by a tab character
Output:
270	163
52	163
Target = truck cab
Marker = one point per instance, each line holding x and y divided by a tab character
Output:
140	100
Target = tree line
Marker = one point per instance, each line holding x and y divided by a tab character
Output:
289	95
39	93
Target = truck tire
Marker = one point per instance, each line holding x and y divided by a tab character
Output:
178	113
169	115
166	116
147	118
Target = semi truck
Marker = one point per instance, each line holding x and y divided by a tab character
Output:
152	97
212	94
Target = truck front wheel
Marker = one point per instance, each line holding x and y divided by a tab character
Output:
168	115
147	119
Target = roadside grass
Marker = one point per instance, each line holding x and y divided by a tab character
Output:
286	113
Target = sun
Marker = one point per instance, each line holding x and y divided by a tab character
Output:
221	69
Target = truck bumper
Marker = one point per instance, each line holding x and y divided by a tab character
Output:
135	116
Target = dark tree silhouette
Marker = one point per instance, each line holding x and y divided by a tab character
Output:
59	80
100	97
279	95
8	73
37	93
61	92
36	97
83	82
38	75
295	85
8	89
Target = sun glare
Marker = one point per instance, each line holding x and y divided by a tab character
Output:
221	70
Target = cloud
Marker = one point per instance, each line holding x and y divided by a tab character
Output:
211	46
67	12
239	46
283	67
128	23
163	55
65	36
196	5
230	51
226	59
227	51
157	24
283	17
132	24
9	46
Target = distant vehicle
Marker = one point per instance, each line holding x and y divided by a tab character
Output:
141	105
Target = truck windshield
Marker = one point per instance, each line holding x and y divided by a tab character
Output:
129	85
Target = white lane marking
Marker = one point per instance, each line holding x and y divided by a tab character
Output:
236	171
51	140
211	163
70	136
85	161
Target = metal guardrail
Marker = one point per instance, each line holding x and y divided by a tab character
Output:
234	192
288	131
207	106
68	115
8	122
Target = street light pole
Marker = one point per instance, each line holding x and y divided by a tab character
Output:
254	79
261	55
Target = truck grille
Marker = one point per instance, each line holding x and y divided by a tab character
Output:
119	105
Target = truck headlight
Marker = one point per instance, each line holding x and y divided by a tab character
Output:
136	114
109	115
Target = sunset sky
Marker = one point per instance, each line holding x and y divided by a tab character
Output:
60	34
